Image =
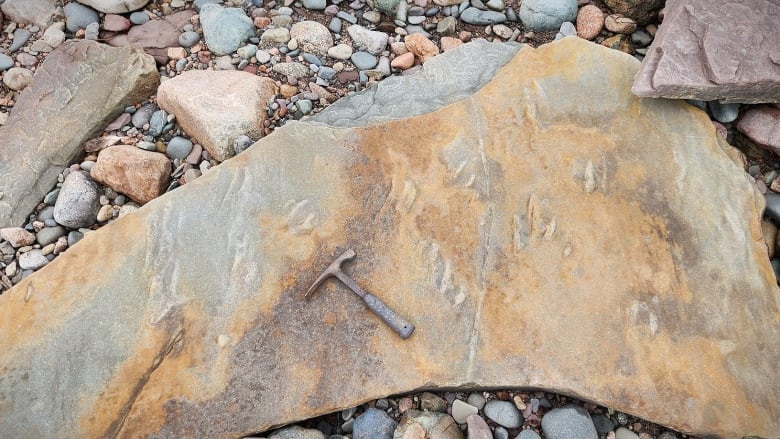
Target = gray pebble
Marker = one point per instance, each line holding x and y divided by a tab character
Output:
46	213
78	16
546	15
6	62
78	202
47	235
504	413
326	73
312	59
415	11
347	17
247	52
304	105
189	39
477	400
178	148
143	115
21	37
373	424
431	12
500	433
416	19
723	113
568	29
384	66
157	122
478	4
496	5
568	422
181	64
511	15
363	60
197	4
120	200
482	18
602	423
225	29
241	143
147	146
51	197
33	260
641	38
528	434
314	4
284	10
92	31
139	17
335	25
624	433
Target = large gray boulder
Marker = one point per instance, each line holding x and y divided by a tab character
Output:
551	206
715	50
79	89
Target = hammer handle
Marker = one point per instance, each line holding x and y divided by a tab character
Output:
398	323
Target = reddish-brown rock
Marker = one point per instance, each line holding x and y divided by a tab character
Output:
449	43
141	175
17	236
642	11
715	50
115	23
421	46
761	124
403	61
590	21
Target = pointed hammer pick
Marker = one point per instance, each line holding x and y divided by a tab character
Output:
390	317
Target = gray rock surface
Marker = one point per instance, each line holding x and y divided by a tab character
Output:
547	15
38	12
78	16
528	434
225	29
436	85
460	230
568	422
79	201
62	108
373	424
296	432
503	413
700	52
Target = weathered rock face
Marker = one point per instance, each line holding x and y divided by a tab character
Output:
216	107
79	89
700	52
38	12
548	216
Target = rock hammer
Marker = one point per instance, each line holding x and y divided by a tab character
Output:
393	320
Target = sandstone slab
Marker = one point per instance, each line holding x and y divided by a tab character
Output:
715	50
215	107
551	207
79	89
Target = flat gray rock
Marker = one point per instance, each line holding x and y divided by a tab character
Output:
715	50
537	202
79	89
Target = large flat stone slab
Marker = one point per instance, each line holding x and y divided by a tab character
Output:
715	50
551	231
79	89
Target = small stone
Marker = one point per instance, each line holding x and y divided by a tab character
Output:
403	61
503	413
449	43
294	432
304	106
340	51
405	404
316	5
21	37
619	24
105	213
619	42
178	147
373	424
624	433
478	428
433	403
276	35
48	235
479	17
346	16
312	37
602	423
191	175
139	174
139	18
372	42
546	15
421	47
6	62
115	23
590	22
503	31
723	113
54	36
225	29
241	143
528	434
157	122
372	16
17	236
74	237
363	60
78	16
447	26
477	400
567	422
462	410
32	260
189	39
78	201
17	78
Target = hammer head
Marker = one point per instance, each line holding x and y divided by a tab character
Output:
332	269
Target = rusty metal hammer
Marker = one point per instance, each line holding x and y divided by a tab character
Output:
393	320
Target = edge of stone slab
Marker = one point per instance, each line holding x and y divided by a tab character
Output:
443	80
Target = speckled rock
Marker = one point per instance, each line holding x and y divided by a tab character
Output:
78	201
470	231
141	175
312	37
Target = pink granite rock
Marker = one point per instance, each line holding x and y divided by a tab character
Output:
715	50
